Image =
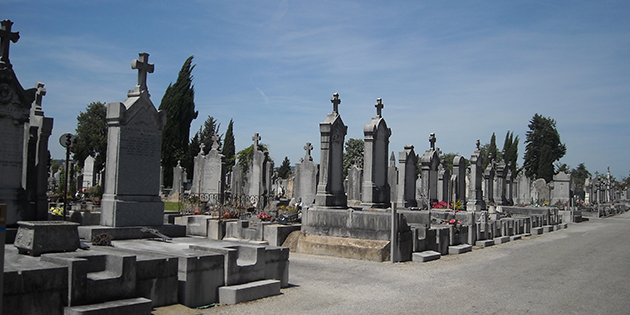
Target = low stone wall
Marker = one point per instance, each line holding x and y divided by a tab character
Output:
370	225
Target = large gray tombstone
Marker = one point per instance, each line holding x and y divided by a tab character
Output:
408	165
35	169
256	170
500	195
430	161
132	171
392	178
476	202
305	182
444	180
540	191
488	179
178	178
88	172
209	173
376	190
523	190
561	188
459	179
330	192
355	180
15	105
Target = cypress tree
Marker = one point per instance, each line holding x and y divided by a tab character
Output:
229	150
179	103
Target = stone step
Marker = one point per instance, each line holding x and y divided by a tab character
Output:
484	243
501	239
459	249
548	228
121	307
515	237
427	255
537	231
235	294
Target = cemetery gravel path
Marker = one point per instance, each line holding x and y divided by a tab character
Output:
584	269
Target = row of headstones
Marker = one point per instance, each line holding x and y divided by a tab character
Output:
210	178
378	184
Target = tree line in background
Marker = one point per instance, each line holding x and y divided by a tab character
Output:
543	148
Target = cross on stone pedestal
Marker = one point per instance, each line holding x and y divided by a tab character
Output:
40	91
432	140
308	147
478	144
6	37
256	138
336	101
215	141
379	107
143	66
201	147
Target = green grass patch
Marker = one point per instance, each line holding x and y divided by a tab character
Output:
170	206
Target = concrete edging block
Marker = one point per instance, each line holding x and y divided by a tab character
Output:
235	294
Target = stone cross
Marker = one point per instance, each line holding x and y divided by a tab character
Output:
6	37
215	141
39	94
201	147
256	138
379	107
478	144
308	147
432	140
336	101
143	66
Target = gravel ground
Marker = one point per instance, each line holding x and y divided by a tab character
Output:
584	269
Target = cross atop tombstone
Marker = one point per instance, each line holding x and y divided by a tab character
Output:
379	107
432	140
336	101
478	144
256	138
308	147
6	37
201	147
143	66
215	141
40	91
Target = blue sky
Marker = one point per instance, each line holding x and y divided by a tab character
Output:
461	69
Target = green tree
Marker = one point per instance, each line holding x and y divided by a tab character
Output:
489	149
285	168
92	135
542	148
579	175
229	150
353	154
510	148
447	160
193	150
245	155
179	103
206	133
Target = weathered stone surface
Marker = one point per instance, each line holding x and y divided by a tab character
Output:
38	237
235	294
373	250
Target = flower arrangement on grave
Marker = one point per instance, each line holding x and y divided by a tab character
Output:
440	205
263	216
230	215
456	205
455	223
56	210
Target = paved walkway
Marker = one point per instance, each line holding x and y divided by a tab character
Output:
584	269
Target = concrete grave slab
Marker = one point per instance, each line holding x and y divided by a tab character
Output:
427	255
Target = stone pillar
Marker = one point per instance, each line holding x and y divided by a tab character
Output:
459	185
330	191
408	165
392	178
15	105
476	202
488	177
375	188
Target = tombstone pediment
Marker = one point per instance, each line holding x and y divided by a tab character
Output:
429	157
377	128
14	100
